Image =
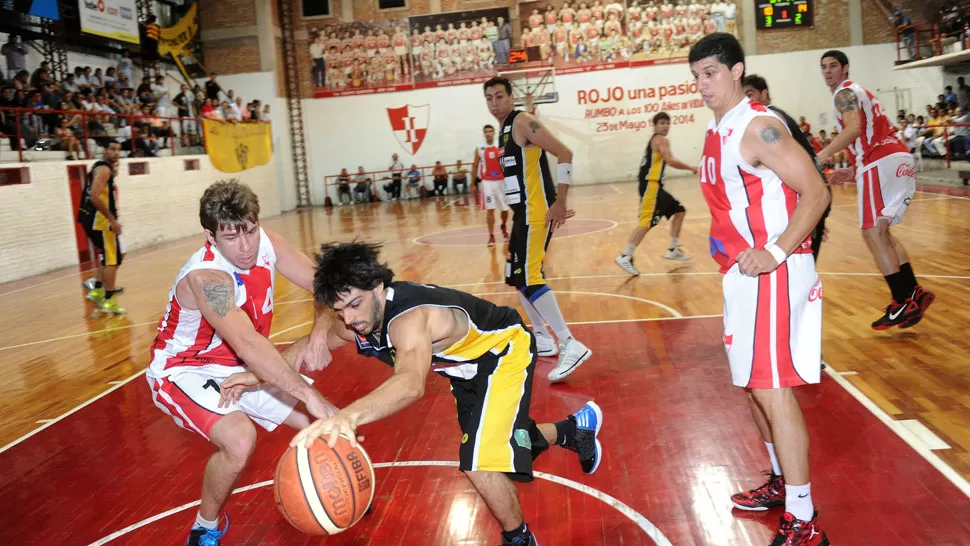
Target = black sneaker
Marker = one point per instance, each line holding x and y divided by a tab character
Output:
524	540
206	537
908	313
589	421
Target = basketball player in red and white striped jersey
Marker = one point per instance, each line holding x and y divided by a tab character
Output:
217	324
488	169
886	183
765	196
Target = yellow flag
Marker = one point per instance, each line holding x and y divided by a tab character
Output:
235	147
173	39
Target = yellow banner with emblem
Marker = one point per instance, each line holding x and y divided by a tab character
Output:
174	39
235	147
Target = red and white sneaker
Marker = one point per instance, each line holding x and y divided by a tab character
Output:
491	239
795	532
769	495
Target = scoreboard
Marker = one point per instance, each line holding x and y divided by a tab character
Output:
783	13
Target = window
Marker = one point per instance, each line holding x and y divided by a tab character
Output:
391	4
14	176
191	164
316	8
136	168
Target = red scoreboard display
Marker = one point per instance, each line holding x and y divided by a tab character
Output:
783	13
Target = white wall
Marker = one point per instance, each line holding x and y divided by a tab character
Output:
160	206
352	131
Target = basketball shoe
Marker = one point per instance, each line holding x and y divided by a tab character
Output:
545	345
908	313
522	540
795	532
92	283
923	298
676	253
589	421
769	495
200	536
626	262
110	305
491	239
572	354
96	295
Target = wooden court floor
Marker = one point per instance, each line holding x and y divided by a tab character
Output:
57	353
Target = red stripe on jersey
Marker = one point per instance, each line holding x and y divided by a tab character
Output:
755	211
167	326
787	374
761	374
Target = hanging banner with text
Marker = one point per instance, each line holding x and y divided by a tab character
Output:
235	147
115	19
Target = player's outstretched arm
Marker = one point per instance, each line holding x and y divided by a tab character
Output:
768	144
663	147
847	103
213	292
411	338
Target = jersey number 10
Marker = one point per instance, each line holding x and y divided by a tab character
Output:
708	170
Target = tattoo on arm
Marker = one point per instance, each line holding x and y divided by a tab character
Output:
846	100
770	134
535	126
219	296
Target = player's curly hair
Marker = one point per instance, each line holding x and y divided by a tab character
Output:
228	203
344	266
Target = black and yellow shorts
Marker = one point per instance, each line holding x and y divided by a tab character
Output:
656	203
498	435
527	250
109	247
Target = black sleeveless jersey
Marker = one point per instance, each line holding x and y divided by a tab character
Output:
87	214
490	327
528	181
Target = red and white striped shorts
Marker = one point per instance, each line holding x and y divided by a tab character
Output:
886	188
773	325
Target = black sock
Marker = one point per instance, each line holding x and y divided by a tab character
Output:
521	530
565	431
898	286
109	293
98	284
907	272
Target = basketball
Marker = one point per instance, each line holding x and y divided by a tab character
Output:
323	490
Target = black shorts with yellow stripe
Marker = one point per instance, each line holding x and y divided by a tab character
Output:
498	435
109	247
656	203
527	250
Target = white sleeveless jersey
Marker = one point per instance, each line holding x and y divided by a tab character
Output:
187	342
750	207
877	135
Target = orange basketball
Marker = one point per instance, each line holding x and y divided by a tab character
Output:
323	491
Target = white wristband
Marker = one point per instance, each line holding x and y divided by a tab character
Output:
565	172
777	253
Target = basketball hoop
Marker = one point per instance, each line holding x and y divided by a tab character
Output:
532	87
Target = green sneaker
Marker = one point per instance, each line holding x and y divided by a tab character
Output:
97	296
110	305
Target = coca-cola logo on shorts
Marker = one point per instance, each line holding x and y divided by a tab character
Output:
816	293
907	170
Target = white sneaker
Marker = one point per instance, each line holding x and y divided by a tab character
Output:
676	254
572	354
626	262
545	345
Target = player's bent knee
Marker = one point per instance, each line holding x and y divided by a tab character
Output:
235	435
534	291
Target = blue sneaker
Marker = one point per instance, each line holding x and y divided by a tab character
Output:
201	536
589	421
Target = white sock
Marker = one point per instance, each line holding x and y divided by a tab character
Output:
538	325
549	309
673	242
775	466
798	501
202	522
630	248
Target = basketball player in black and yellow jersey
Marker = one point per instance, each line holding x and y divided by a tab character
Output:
655	202
486	352
538	208
756	88
98	214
